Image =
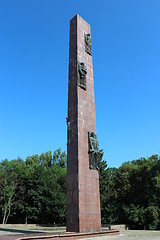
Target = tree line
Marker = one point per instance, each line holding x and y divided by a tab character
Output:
34	191
130	194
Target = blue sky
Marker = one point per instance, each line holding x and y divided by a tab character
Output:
34	53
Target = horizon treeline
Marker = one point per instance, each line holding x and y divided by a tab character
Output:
34	191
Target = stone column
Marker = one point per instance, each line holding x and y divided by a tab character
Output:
83	199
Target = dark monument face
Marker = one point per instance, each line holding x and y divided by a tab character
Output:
83	199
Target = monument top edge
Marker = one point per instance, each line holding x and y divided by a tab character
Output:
77	16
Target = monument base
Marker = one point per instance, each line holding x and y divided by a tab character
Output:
67	235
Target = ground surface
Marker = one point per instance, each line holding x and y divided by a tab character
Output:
132	235
12	233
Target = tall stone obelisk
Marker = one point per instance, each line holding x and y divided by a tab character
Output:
83	199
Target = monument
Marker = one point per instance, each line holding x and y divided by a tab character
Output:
83	198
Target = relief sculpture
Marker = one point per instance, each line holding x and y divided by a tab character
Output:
93	150
88	43
82	71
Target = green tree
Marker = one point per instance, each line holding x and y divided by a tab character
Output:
9	185
45	188
137	193
108	205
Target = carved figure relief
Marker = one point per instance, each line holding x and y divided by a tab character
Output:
82	71
93	150
88	43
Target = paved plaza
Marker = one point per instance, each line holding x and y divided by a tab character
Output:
132	235
12	234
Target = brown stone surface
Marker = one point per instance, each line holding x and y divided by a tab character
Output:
83	200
